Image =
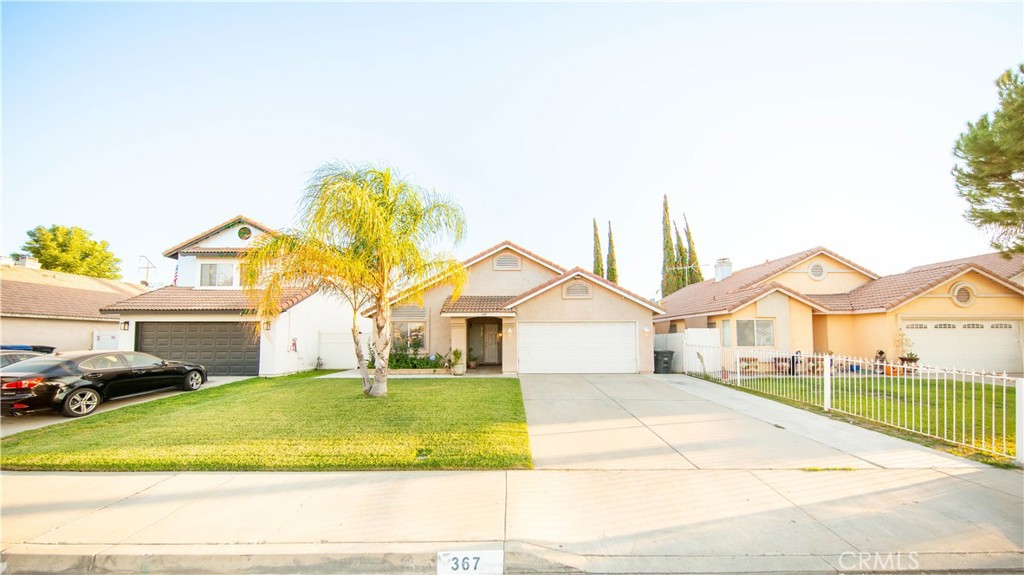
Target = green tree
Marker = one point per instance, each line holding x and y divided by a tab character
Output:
682	259
693	272
613	267
72	250
990	171
598	257
366	236
669	261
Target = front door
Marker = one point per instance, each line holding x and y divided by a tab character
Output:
491	343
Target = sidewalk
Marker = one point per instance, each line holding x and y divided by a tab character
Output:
954	516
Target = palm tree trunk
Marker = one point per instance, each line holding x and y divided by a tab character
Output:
360	356
382	349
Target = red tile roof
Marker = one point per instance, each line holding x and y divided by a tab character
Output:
173	252
1006	267
476	304
175	298
49	294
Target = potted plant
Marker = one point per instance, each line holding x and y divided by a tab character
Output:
472	359
909	358
905	349
458	368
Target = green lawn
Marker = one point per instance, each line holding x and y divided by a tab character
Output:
979	416
293	423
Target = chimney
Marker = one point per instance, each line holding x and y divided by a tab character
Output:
30	263
723	269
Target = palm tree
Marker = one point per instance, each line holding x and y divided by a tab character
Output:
366	235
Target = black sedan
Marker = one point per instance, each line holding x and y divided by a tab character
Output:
76	382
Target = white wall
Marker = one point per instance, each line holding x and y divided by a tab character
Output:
303	324
188	271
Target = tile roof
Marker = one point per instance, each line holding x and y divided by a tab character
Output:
47	294
881	293
995	262
476	304
212	251
173	252
176	298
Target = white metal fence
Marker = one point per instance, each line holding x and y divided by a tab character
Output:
976	409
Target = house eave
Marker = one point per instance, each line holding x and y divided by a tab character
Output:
478	314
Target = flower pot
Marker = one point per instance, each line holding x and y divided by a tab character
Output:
459	369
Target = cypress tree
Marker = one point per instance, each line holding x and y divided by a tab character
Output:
694	271
613	270
683	259
669	275
598	259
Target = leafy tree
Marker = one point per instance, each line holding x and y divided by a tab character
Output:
693	273
613	268
366	236
598	257
990	171
72	250
669	262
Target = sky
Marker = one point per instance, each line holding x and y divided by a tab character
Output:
774	127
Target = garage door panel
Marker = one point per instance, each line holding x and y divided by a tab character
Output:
577	347
225	348
978	344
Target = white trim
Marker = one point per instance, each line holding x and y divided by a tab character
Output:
584	276
504	246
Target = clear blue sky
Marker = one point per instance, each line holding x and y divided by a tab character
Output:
773	127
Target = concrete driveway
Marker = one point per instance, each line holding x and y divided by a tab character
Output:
676	422
10	425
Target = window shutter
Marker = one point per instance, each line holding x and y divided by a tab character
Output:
409	313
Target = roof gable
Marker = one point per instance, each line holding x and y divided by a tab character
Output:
219	237
581	273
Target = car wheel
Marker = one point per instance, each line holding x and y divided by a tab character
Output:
193	380
81	402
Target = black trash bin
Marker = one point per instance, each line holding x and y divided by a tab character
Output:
663	361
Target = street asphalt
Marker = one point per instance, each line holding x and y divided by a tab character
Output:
633	474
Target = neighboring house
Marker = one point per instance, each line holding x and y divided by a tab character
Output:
43	307
526	314
964	313
206	317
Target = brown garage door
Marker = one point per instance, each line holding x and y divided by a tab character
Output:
225	348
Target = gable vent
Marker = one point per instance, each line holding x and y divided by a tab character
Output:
817	271
577	290
507	262
409	313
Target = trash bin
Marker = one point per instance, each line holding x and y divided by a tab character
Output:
663	361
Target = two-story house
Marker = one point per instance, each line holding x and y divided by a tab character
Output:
206	317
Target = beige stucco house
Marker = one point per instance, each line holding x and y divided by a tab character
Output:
964	313
527	314
56	309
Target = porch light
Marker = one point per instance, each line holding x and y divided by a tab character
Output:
124	326
266	325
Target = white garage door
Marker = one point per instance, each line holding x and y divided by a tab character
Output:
982	344
578	347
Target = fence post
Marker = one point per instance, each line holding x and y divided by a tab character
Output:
739	374
828	383
1019	424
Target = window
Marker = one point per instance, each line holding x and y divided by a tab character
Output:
1001	326
755	332
507	262
816	271
408	327
108	361
216	275
944	326
672	328
973	326
577	290
726	333
916	326
244	233
141	360
712	325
